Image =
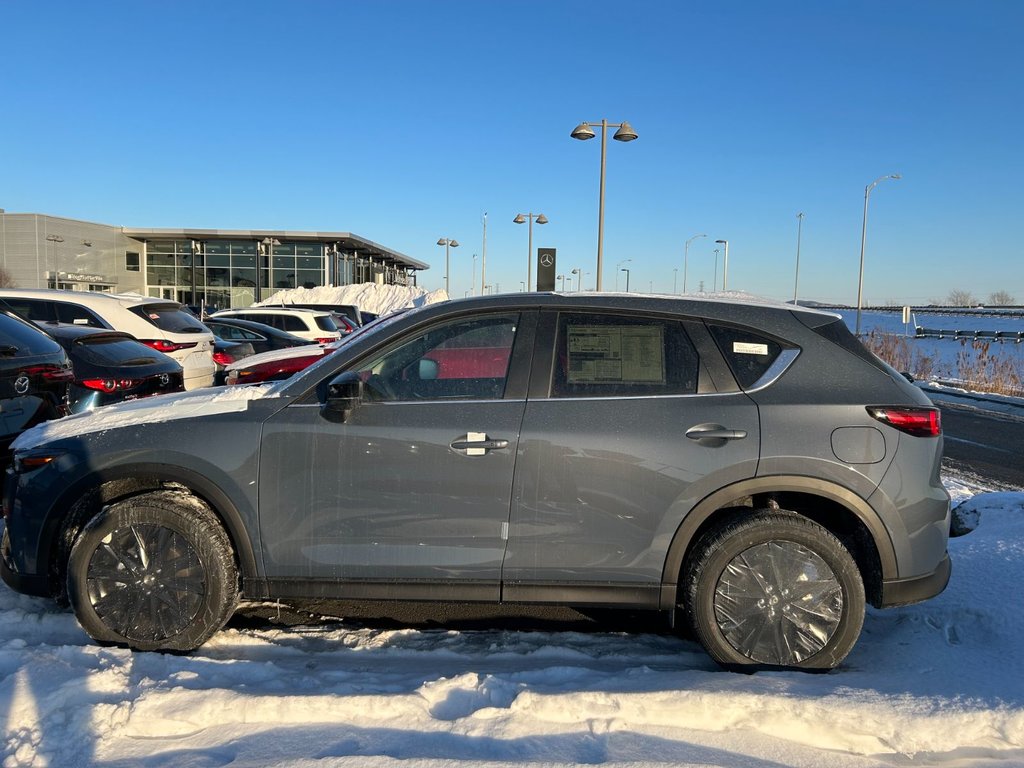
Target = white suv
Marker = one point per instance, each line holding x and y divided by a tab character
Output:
159	323
311	324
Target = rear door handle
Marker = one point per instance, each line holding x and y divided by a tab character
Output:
714	432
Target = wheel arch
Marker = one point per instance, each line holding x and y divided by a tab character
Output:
90	493
835	508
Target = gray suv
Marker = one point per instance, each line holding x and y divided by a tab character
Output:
749	470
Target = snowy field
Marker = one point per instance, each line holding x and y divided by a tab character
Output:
937	684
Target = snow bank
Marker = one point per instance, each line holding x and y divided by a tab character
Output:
369	297
937	684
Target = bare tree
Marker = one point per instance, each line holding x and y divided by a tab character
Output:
6	281
1001	299
960	298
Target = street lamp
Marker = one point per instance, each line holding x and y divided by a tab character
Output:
799	227
714	283
583	132
523	219
627	279
448	244
686	254
617	270
562	278
472	285
55	239
725	265
863	240
579	279
675	276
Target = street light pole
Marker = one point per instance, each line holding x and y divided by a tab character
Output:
523	219
725	265
863	241
627	279
583	132
483	260
799	228
472	285
448	244
675	277
686	255
714	284
617	270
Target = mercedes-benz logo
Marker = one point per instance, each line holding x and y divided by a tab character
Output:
546	260
21	384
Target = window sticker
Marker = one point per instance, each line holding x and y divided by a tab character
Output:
747	348
616	354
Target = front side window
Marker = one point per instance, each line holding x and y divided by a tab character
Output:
613	356
464	359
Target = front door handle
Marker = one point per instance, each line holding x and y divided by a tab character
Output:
714	432
477	444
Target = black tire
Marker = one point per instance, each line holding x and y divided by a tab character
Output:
774	589
153	572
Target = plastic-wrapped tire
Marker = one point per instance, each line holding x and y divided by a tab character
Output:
771	590
154	572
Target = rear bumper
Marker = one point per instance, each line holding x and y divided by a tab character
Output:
905	591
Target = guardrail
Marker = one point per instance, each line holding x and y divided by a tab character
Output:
939	333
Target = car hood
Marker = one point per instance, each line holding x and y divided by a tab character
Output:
183	405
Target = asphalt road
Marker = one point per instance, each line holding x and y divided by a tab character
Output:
984	444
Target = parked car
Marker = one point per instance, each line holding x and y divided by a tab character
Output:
35	374
263	338
227	353
277	364
747	469
112	366
308	324
350	311
163	325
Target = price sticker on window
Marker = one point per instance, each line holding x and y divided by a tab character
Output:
748	348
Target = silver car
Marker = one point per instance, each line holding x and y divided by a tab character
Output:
748	470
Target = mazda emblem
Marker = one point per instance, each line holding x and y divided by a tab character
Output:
21	384
164	379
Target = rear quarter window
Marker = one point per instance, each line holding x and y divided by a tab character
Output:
749	354
326	323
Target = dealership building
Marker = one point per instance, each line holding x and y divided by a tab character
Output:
223	268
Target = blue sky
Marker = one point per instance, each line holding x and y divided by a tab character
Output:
404	122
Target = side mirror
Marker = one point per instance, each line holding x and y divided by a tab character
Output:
428	369
343	393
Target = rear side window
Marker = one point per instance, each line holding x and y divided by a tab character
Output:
609	356
170	318
749	354
75	314
326	323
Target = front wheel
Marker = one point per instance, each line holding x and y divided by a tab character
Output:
153	572
774	590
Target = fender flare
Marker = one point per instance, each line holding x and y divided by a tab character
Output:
727	496
221	503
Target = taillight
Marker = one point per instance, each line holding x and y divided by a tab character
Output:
110	385
919	422
50	372
222	358
165	346
327	340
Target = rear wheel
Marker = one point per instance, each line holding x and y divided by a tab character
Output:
775	590
153	572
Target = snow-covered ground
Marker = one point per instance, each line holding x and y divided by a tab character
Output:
941	683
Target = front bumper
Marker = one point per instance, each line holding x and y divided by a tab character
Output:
906	591
29	584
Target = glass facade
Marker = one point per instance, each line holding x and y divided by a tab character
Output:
230	273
